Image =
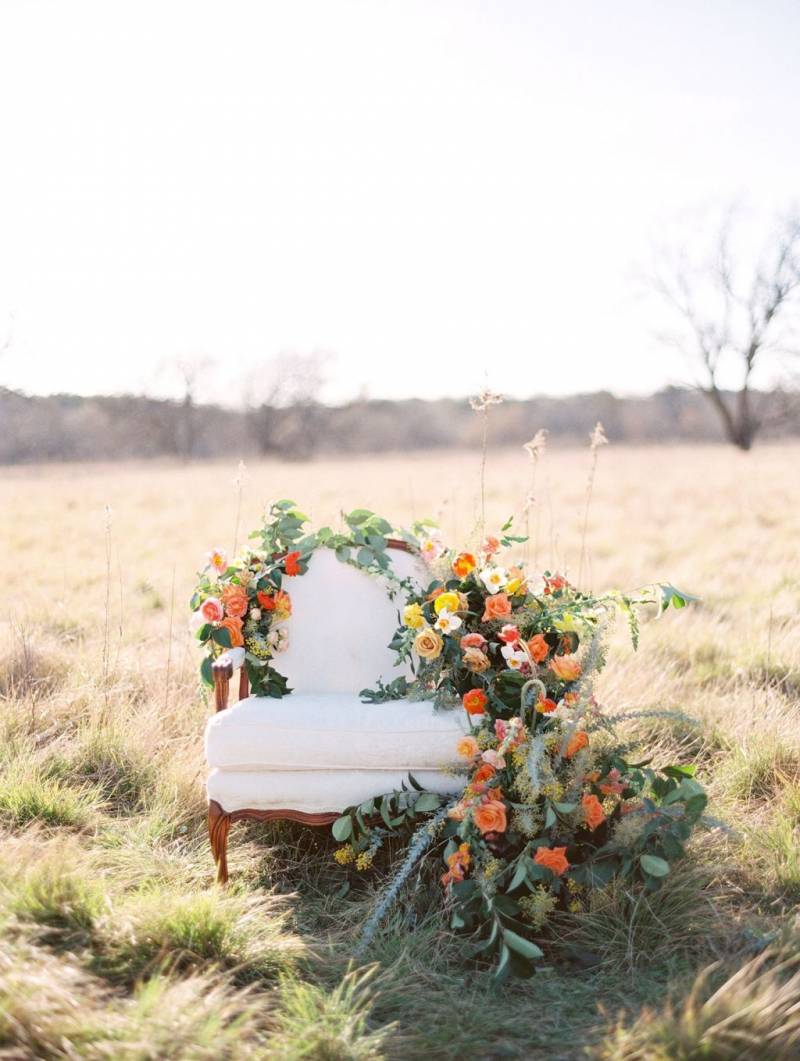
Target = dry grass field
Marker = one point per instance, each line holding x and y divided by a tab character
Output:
115	942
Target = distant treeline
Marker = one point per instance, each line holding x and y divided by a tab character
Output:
72	428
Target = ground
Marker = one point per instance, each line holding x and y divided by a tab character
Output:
116	943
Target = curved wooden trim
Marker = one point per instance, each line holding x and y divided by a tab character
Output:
275	815
219	823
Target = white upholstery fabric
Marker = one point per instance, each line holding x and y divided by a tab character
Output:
320	749
341	624
333	731
314	791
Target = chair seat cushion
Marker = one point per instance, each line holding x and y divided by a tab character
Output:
315	791
334	731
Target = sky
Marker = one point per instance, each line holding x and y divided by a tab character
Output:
434	194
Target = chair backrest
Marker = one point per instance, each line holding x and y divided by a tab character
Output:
341	624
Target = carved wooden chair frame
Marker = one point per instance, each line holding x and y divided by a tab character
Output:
219	820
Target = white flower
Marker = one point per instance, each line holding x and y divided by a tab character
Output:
447	622
196	621
514	657
278	639
494	578
255	614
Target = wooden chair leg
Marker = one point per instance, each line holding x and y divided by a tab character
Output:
218	825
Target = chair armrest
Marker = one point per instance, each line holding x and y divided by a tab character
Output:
222	671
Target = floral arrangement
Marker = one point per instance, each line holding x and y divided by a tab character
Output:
552	806
244	602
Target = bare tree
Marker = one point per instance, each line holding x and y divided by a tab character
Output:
737	313
285	413
188	372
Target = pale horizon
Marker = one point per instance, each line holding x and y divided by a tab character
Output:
440	196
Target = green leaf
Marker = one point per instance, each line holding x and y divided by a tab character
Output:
549	817
521	945
342	828
655	866
204	632
205	671
428	801
357	517
342	553
365	556
222	637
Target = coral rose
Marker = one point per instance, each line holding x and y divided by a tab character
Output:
552	858
490	817
467	748
538	648
592	811
234	628
234	597
475	660
565	668
475	701
463	564
485	772
497	606
211	609
428	643
473	641
576	742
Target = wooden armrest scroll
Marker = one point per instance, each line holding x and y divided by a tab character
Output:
222	671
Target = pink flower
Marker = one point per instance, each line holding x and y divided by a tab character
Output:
218	559
500	729
493	759
491	545
212	610
473	641
509	634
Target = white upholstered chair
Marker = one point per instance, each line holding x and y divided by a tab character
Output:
309	755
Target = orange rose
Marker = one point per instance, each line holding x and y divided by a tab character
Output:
467	748
235	600
485	772
576	742
490	817
463	564
290	563
475	660
552	858
234	628
458	863
565	668
497	606
473	641
592	811
538	648
475	701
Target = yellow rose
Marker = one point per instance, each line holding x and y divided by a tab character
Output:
413	617
428	643
446	601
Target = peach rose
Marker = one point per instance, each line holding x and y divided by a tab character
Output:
565	668
576	742
467	748
592	811
463	564
552	858
496	606
490	817
475	701
473	641
458	811
538	648
475	660
428	643
234	628
235	600
211	609
491	757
